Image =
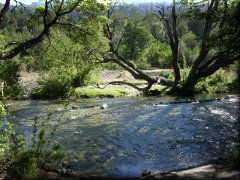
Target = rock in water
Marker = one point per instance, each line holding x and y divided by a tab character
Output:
75	107
104	106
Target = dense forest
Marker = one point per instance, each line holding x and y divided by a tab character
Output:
193	46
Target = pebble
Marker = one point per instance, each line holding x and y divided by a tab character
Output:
104	106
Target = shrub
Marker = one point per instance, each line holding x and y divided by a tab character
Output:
54	87
9	75
57	84
60	83
220	82
84	76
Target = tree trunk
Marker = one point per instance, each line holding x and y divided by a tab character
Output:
189	85
4	11
176	67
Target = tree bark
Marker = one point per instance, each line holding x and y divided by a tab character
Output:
4	11
171	29
189	85
176	68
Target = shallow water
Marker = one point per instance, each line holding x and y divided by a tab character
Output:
134	134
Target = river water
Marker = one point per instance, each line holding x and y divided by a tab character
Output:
134	134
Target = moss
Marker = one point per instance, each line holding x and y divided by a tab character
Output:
91	92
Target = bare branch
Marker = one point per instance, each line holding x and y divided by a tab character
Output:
135	86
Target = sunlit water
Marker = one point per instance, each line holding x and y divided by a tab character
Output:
134	134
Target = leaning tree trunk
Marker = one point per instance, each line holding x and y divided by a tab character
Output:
189	85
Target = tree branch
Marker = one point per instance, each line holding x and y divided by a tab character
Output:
47	26
144	89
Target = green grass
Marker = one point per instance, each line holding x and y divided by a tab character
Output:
91	92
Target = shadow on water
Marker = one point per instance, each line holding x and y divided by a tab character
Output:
136	134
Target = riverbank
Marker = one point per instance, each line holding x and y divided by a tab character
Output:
210	171
99	89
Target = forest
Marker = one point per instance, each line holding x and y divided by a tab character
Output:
182	49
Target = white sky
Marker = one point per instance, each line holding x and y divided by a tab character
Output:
30	1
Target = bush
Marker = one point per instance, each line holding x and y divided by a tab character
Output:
54	87
57	84
84	76
61	82
9	75
220	82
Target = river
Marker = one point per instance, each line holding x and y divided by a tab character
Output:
134	134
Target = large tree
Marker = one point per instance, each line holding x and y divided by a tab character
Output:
220	40
115	37
51	14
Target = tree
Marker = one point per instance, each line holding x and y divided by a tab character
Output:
220	42
114	55
135	40
170	24
51	14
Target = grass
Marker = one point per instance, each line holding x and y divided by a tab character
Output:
91	92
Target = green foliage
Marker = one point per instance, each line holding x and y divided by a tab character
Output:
10	77
68	65
135	41
61	81
27	161
220	82
57	84
190	48
84	76
158	55
167	74
110	66
6	132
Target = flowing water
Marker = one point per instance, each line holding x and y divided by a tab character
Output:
134	134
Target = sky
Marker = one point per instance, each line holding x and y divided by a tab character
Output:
30	1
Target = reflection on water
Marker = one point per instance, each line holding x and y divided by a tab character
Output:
136	134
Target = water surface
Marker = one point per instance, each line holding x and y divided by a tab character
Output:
134	134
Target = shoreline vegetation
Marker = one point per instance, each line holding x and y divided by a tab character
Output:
102	87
